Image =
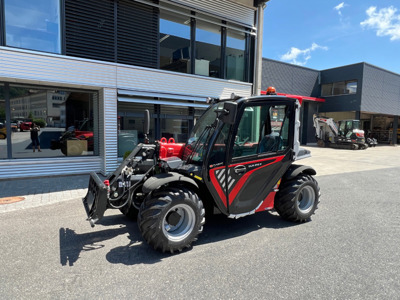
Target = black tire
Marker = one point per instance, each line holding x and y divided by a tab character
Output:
130	212
321	143
171	218
297	199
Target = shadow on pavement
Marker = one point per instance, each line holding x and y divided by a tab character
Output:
137	251
220	227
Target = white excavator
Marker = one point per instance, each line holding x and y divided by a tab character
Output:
345	135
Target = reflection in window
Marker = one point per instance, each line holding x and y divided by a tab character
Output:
3	129
33	24
235	55
351	87
208	49
174	42
65	120
131	125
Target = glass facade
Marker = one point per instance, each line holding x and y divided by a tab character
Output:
33	25
175	122
50	122
208	49
174	42
166	121
131	125
235	55
166	37
220	50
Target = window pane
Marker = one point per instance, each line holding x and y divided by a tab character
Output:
339	88
131	125
208	49
262	129
327	89
219	149
175	123
249	130
351	87
65	122
3	130
235	56
174	42
33	24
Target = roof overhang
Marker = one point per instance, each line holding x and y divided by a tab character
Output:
299	97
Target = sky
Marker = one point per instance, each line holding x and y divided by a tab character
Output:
324	34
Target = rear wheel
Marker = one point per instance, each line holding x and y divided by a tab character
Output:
298	198
170	219
320	143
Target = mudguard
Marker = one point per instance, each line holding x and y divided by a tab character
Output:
159	180
295	170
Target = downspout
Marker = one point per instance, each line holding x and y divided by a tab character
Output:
258	49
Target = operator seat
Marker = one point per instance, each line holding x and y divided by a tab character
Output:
270	143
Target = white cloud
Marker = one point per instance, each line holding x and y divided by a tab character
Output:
339	7
300	57
385	22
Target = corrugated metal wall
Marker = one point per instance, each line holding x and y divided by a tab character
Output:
18	168
49	69
226	9
380	91
350	102
109	119
178	83
289	79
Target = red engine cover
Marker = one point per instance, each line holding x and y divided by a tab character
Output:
170	148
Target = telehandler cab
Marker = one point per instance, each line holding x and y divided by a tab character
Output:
239	160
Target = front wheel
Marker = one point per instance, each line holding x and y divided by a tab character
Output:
170	219
131	212
298	198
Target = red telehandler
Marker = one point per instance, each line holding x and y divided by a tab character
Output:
239	160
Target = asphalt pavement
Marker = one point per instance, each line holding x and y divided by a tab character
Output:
50	190
348	251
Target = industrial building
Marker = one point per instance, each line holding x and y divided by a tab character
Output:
359	91
87	69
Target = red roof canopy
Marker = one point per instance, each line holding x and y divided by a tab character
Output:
298	97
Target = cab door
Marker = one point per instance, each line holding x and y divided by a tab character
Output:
261	150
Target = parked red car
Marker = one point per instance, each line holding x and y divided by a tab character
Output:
25	126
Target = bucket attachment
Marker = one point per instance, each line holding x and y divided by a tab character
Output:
95	201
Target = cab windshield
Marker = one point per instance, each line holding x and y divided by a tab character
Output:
196	144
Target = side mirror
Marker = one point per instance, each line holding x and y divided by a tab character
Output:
228	113
146	128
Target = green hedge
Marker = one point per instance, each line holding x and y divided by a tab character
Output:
40	122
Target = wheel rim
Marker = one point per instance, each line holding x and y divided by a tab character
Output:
306	199
179	222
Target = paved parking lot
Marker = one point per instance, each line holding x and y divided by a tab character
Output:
328	161
348	251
